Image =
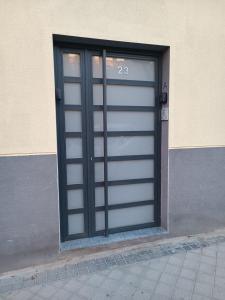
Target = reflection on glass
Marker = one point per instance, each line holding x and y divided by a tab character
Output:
71	64
97	66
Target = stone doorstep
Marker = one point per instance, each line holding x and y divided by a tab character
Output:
69	267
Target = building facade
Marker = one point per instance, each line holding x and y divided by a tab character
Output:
112	119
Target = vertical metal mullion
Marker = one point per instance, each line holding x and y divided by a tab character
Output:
105	141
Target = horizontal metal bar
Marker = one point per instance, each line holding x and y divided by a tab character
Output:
126	181
125	157
124	133
124	82
127	228
75	211
72	107
124	108
74	160
126	205
67	79
74	186
75	236
73	134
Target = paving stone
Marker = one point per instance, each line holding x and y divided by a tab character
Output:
206	268
47	291
172	269
19	295
203	289
168	278
148	285
159	297
164	289
208	260
126	290
62	294
181	294
185	284
199	297
218	293
220	281
142	295
188	273
220	272
153	274
205	278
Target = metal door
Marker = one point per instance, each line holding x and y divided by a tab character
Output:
108	141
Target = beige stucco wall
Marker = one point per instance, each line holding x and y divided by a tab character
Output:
194	30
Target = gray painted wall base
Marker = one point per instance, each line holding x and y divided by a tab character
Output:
29	219
196	190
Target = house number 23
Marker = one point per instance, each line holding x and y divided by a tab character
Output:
122	70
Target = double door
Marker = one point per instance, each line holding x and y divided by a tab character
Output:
108	141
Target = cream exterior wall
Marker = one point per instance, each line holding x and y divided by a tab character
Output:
194	30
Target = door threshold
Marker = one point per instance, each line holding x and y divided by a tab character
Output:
112	238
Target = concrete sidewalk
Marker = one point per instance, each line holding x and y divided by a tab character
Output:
179	268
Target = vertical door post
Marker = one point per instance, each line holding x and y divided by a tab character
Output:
105	140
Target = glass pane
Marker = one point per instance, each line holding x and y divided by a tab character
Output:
125	121
72	93
71	64
125	145
98	121
74	174
76	223
125	193
72	121
130	69
121	170
73	147
97	66
126	217
124	95
75	199
100	220
131	216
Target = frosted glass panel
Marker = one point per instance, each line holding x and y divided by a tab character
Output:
72	121
130	69
125	193
98	121
72	93
124	95
123	68
71	64
125	145
76	223
120	170
125	121
126	217
74	174
97	66
75	199
73	147
100	220
131	216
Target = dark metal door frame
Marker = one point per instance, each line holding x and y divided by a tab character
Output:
88	135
